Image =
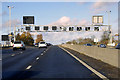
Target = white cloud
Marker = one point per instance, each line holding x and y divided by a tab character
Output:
99	7
5	26
13	22
62	37
68	21
3	13
62	21
83	22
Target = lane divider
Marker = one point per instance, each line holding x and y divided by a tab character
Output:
45	51
41	54
16	54
86	65
37	58
29	67
13	55
21	52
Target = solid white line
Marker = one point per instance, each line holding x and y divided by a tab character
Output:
86	65
28	67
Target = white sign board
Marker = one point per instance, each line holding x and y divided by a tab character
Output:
97	19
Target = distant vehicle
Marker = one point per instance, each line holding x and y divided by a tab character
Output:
36	44
118	46
88	44
42	45
48	44
18	45
102	45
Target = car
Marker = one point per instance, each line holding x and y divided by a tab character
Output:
42	44
102	45
36	44
118	46
18	45
88	44
48	44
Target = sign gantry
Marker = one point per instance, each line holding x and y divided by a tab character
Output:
67	28
28	25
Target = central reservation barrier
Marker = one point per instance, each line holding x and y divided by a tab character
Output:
106	55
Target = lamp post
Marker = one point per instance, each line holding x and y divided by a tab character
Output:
109	20
109	28
10	22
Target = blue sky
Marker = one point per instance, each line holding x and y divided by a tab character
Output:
47	12
55	12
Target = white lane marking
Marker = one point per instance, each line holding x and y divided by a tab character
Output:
0	59
47	49
13	55
44	51
42	54
29	67
37	58
89	67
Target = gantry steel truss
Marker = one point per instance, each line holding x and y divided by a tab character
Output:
61	28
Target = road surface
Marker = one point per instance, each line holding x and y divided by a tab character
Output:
35	63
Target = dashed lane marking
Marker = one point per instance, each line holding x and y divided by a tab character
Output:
44	51
86	65
37	58
29	67
33	62
42	54
13	55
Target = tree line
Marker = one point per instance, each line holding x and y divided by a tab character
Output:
104	40
27	38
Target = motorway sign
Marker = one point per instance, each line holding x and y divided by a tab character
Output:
28	19
5	38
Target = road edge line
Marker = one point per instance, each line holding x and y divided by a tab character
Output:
86	65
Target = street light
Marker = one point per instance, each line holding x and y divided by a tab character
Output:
109	20
10	22
109	27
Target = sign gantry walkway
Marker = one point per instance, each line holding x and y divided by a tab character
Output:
61	28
